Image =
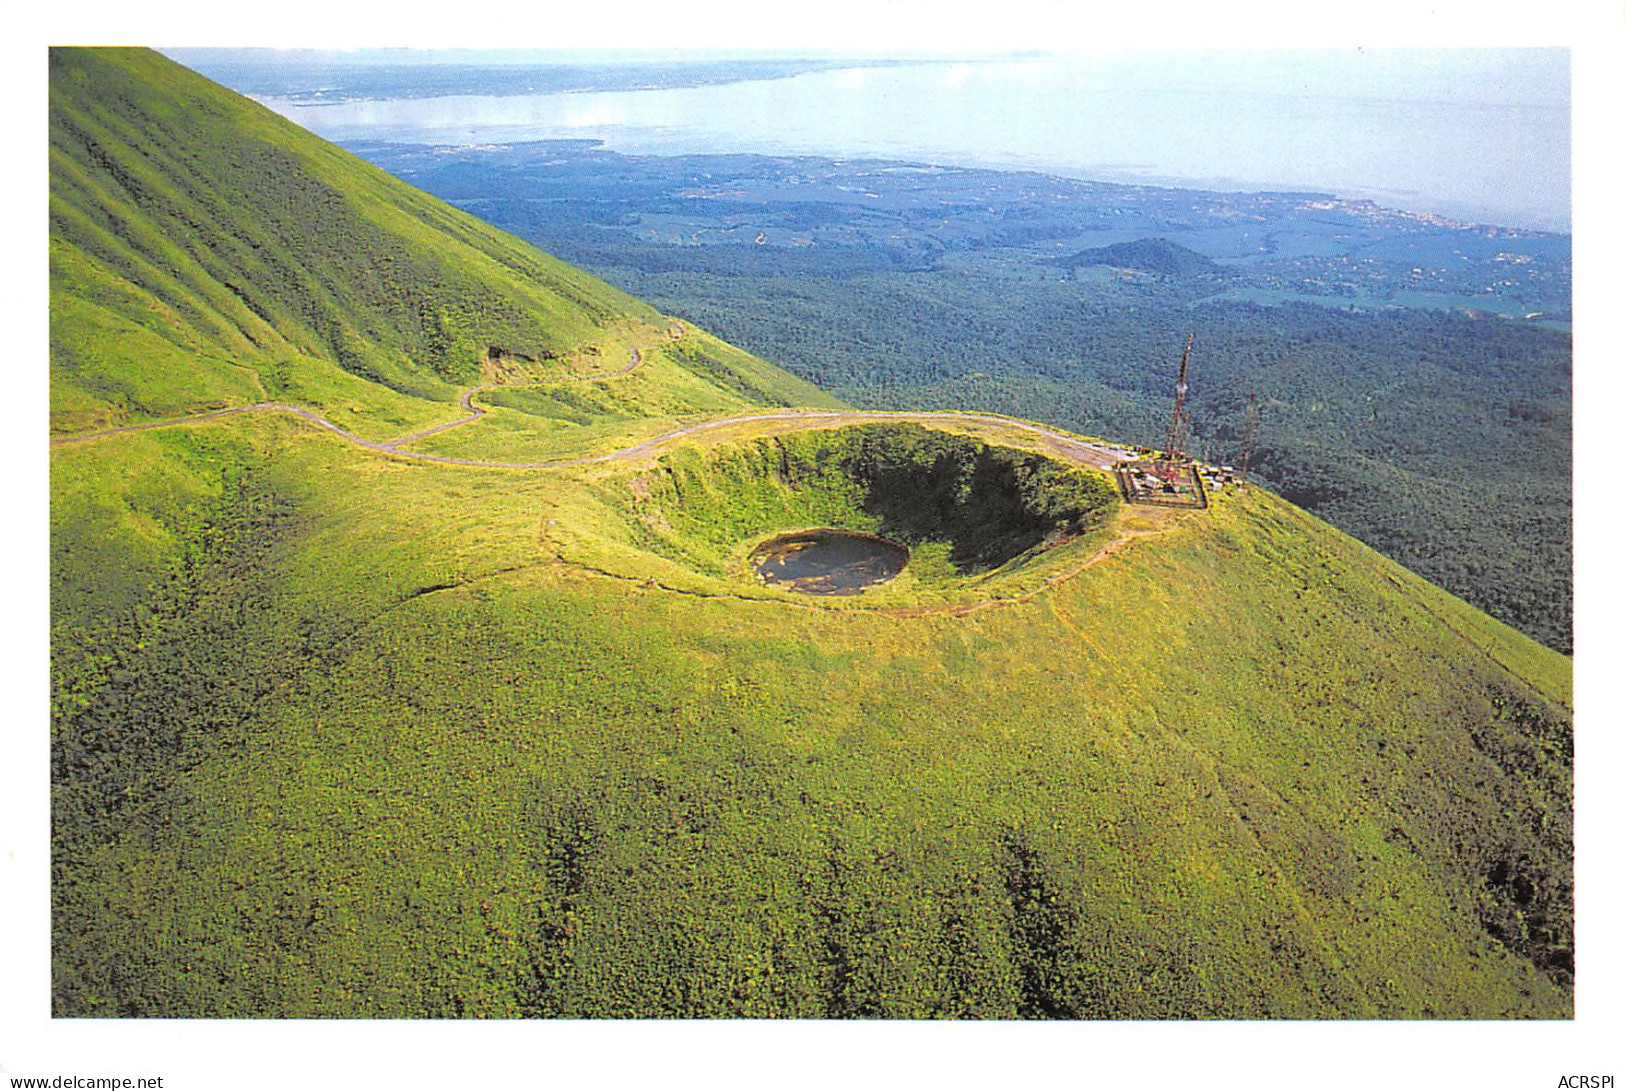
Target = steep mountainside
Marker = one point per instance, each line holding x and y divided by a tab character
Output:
499	721
207	253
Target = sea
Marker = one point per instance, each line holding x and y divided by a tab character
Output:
1480	135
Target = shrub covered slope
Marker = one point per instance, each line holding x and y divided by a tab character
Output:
206	252
337	733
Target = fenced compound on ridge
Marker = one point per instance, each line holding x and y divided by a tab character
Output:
1165	484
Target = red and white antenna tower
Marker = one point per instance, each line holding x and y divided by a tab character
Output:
1179	428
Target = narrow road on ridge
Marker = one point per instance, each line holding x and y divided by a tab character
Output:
1098	456
475	412
1094	455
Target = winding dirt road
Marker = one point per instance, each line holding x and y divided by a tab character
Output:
1094	455
1083	453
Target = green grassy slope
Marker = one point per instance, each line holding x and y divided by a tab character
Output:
383	753
337	733
206	252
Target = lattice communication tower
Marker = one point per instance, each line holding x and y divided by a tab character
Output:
1179	427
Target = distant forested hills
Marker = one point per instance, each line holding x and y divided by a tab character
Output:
1148	255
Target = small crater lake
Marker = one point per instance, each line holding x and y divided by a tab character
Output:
828	562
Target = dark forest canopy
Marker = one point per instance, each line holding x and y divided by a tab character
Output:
1147	255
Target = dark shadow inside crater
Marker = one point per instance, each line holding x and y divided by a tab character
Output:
990	504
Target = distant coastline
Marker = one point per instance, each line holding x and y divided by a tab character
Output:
1475	136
